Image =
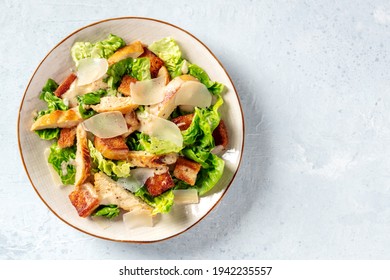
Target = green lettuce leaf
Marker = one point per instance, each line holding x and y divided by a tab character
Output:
138	68
101	49
169	51
90	98
61	160
53	103
48	134
161	203
196	71
208	177
133	141
141	69
108	211
158	146
120	168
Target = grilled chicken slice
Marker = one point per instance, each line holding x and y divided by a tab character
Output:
110	192
58	118
67	137
145	159
85	199
133	50
158	184
183	122
113	103
83	158
112	148
155	62
186	170
124	87
65	85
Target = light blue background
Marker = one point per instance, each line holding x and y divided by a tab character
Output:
314	81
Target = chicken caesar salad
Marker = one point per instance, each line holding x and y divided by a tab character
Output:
134	129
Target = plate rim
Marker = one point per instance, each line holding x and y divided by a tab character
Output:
125	240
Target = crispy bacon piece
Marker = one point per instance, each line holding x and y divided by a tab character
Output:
155	62
112	148
183	122
158	184
67	137
65	85
186	170
124	87
220	135
85	199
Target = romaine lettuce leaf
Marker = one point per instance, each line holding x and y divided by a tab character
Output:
90	98
196	71
161	203
48	134
208	177
169	51
61	160
53	103
120	168
101	49
108	211
157	146
138	68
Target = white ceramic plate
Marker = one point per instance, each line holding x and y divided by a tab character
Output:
56	65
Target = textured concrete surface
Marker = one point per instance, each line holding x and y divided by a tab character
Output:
314	81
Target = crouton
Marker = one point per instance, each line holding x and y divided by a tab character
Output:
111	192
67	137
85	199
58	118
183	122
155	62
83	158
65	85
124	87
113	103
186	170
133	50
158	184
145	159
112	148
220	135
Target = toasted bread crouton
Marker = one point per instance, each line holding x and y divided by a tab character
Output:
111	192
124	87
112	148
183	122
220	135
113	103
145	159
133	50
158	184
155	62
85	199
83	158
186	170
164	72
67	137
65	85
58	118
